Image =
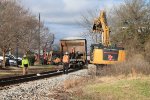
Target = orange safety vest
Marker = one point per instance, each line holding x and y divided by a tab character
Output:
65	59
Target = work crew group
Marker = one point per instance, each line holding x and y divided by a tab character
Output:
66	61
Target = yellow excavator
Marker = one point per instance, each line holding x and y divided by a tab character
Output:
104	53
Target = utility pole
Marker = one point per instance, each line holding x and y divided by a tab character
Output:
17	51
39	43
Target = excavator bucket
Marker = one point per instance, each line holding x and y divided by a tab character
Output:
94	27
97	26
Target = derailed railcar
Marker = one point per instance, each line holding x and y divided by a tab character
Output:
80	45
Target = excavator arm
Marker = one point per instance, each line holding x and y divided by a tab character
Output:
100	25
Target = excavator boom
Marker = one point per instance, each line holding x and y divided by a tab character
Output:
100	25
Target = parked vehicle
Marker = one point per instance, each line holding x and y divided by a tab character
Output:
1	62
10	60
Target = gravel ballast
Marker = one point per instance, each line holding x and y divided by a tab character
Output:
40	89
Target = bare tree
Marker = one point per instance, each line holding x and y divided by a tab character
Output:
7	15
29	37
86	21
46	38
18	27
131	24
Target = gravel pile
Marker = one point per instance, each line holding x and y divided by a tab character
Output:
40	89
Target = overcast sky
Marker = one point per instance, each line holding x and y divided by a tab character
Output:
61	16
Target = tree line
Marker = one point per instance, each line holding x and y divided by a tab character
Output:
19	28
131	25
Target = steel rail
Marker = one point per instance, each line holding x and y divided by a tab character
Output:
31	77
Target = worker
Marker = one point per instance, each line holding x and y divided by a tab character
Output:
25	65
73	53
66	63
45	59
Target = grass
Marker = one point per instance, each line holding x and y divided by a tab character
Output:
3	73
124	89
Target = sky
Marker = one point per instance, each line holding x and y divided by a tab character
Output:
61	16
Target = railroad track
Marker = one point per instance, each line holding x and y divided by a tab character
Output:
31	77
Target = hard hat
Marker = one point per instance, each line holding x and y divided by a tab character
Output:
66	53
78	52
24	56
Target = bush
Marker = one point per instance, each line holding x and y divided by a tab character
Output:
134	65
